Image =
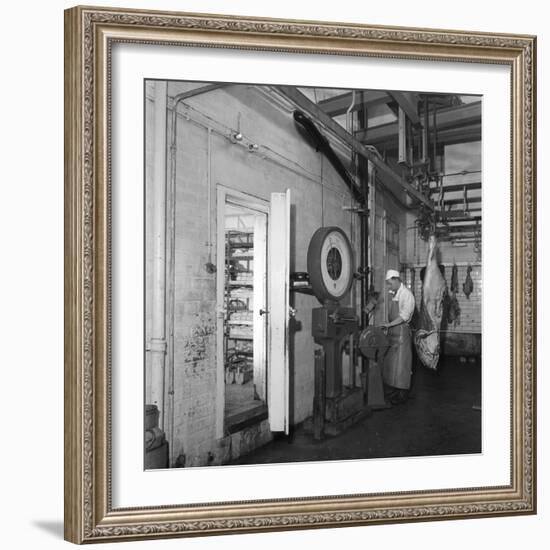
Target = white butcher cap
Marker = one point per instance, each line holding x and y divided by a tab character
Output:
392	273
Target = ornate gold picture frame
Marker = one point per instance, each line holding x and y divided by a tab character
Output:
90	34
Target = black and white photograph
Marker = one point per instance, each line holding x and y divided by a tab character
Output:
313	274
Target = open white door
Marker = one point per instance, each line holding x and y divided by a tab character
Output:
260	296
279	308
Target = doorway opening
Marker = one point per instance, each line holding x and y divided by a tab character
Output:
245	314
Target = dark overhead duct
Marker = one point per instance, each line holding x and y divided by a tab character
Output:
314	137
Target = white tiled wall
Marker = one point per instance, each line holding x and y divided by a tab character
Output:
470	308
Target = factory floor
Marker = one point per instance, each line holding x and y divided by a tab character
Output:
442	417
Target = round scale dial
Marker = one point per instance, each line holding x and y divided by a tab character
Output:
330	264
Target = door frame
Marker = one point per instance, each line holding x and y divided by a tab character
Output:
254	203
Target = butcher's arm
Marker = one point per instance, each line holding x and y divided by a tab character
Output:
406	309
397	321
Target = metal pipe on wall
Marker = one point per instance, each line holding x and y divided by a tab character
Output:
171	202
170	304
171	280
209	195
372	227
350	127
435	167
385	264
157	342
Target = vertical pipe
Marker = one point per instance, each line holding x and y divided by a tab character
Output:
402	136
410	143
373	226
425	124
363	231
364	222
171	232
157	344
366	237
365	227
209	192
349	115
385	266
435	140
170	283
350	128
170	291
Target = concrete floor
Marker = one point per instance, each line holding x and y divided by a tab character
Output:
439	419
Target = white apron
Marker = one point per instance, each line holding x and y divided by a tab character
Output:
398	361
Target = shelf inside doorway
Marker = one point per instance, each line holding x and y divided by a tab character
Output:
240	245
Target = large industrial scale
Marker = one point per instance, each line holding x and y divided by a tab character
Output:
336	327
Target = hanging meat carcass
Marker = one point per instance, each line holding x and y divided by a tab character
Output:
468	286
453	315
426	338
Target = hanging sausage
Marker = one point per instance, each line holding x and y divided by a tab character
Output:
468	286
453	315
454	279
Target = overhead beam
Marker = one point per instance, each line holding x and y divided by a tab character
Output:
466	222
442	100
198	91
472	211
409	103
460	186
459	229
458	217
385	136
338	105
467	239
460	134
474	208
462	239
461	201
448	118
384	172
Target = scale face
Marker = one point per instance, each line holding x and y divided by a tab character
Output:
330	264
